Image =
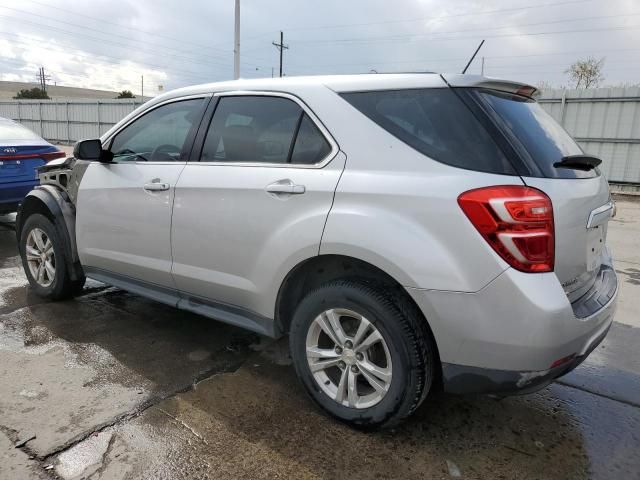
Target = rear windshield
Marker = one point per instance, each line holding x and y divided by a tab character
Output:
14	131
436	123
543	140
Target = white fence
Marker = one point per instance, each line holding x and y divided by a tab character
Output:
605	121
67	121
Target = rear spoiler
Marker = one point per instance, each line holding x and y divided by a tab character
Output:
460	80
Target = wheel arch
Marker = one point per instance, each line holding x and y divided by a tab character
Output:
315	271
54	204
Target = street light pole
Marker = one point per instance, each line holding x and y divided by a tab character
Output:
236	48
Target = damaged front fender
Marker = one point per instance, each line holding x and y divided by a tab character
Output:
55	198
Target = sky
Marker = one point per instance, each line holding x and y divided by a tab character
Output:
112	44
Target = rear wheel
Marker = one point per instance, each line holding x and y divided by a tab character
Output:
44	260
361	356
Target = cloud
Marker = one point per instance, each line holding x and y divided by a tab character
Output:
111	44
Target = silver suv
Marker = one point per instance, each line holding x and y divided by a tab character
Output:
409	232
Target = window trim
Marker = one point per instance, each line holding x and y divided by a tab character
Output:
191	136
259	93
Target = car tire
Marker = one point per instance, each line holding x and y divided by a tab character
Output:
49	276
404	357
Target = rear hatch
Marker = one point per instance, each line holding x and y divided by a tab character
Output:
578	191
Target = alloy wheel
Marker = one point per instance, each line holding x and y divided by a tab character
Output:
348	358
41	257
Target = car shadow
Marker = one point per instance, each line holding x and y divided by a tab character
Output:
475	436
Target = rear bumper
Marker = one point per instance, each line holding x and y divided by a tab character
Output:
463	379
506	337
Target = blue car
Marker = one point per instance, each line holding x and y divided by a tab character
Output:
21	151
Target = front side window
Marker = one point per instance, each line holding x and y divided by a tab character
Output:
158	136
262	129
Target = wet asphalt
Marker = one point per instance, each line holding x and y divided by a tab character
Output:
110	386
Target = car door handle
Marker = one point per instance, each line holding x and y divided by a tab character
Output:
286	187
156	186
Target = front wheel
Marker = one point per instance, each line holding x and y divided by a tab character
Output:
360	355
44	260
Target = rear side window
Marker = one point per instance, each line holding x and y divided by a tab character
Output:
263	129
437	124
311	146
544	141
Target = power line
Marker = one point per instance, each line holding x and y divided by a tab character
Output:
91	29
119	44
483	29
294	28
102	21
94	57
105	21
438	17
458	59
118	60
116	77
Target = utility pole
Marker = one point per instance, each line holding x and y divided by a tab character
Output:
281	46
482	68
236	43
42	79
142	86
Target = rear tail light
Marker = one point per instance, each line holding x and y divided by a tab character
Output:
53	155
45	156
517	222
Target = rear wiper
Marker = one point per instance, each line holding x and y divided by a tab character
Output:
578	162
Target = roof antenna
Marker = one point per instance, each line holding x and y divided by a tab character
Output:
473	56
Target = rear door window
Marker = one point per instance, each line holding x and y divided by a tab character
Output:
436	123
541	138
263	129
248	129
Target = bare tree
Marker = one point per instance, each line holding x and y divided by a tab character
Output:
586	73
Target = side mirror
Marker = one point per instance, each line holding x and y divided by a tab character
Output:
91	150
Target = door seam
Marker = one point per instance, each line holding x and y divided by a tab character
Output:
173	202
